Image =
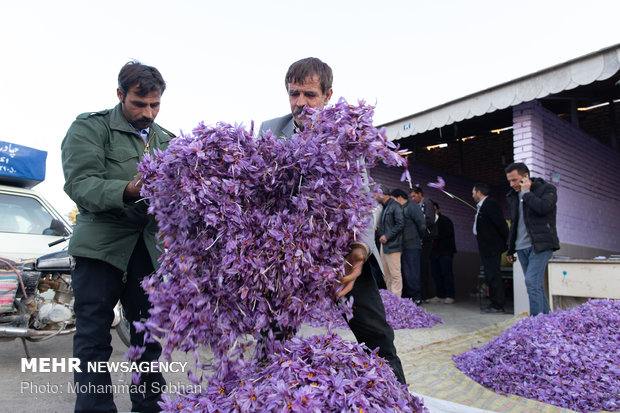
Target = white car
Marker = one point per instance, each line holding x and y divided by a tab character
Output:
28	223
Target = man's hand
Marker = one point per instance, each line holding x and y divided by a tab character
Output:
383	239
352	270
526	183
132	190
511	258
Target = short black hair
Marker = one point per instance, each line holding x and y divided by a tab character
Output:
436	205
482	187
399	193
520	167
146	77
417	190
385	189
302	69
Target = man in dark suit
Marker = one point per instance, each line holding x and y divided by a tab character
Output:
426	205
491	230
444	248
309	83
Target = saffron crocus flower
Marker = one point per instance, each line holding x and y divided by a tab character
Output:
566	358
134	353
441	185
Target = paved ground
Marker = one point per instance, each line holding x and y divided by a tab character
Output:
51	392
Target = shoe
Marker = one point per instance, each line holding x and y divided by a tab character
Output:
448	300
417	302
491	309
433	300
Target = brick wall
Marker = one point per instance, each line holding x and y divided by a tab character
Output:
587	174
528	140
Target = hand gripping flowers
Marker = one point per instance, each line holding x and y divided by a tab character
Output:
256	228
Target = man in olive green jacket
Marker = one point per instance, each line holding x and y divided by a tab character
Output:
114	243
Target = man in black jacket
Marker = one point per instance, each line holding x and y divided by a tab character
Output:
443	251
491	231
390	233
426	205
533	233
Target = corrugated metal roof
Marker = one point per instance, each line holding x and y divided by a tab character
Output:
584	70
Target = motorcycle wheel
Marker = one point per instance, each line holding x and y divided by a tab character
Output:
123	328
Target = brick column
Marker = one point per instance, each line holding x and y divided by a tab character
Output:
528	136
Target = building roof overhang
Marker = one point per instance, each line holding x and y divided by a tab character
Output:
596	66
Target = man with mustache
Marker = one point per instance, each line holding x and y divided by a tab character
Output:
114	242
309	84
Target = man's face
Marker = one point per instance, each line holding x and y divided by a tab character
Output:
514	178
307	93
416	197
140	111
477	195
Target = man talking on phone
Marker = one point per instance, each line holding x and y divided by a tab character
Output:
533	235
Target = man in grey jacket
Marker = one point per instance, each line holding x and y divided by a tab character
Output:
309	83
413	231
390	233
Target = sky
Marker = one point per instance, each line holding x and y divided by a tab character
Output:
225	61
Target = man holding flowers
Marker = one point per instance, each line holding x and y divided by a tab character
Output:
114	242
309	84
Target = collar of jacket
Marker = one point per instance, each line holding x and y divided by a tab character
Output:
118	121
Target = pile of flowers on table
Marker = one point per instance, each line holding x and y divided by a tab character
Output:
566	358
256	230
401	313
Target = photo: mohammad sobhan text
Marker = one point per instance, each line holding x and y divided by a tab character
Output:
70	387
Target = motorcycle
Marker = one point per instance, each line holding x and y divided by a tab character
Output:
42	306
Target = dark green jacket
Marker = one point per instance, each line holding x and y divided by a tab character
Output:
99	158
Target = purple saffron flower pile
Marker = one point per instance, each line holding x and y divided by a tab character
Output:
401	313
566	358
256	232
313	374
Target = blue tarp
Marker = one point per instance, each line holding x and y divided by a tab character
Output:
20	165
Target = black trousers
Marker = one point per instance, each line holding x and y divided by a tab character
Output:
493	276
369	324
97	287
441	268
426	283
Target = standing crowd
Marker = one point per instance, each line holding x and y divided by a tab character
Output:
416	243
